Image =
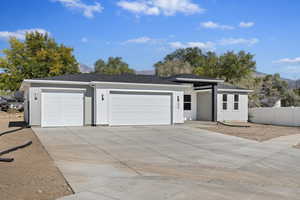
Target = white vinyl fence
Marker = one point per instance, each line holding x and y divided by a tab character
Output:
287	116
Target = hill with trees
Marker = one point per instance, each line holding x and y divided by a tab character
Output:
114	65
235	68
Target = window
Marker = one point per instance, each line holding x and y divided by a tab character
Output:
236	102
225	97
224	102
187	102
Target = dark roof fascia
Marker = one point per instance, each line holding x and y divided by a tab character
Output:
192	78
138	79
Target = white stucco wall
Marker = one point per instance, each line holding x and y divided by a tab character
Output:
230	114
102	106
200	102
35	106
34	96
26	105
178	116
191	114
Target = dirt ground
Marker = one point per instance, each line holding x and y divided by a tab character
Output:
32	175
258	132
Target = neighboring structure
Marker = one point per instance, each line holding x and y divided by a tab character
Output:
94	99
277	104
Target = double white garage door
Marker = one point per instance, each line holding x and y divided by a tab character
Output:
139	108
66	108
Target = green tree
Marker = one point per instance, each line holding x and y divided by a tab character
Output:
37	56
172	67
99	66
194	56
254	84
210	66
274	88
297	91
291	99
273	85
114	65
234	67
231	66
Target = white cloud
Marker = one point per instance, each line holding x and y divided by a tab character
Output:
213	45
213	25
246	24
20	34
289	60
202	45
157	7
177	45
236	41
87	10
141	40
138	7
84	40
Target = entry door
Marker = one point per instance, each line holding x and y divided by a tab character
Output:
62	108
140	108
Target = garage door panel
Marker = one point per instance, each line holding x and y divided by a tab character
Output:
140	109
49	112
62	109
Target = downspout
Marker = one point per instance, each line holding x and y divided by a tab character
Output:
214	102
94	105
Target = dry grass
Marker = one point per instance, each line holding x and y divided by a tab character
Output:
33	174
258	132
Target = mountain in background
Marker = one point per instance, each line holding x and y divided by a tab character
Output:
85	69
292	83
145	72
259	74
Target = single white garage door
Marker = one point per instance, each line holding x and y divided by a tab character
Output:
140	108
62	108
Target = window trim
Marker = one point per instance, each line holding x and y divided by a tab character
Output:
224	102
187	102
236	102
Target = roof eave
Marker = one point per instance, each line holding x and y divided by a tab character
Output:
200	80
235	90
153	84
29	81
56	82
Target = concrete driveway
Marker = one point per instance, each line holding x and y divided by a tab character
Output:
172	162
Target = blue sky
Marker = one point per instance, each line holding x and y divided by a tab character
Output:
144	31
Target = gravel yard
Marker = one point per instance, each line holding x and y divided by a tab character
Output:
258	132
32	175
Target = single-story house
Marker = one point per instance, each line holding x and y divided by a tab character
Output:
98	99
